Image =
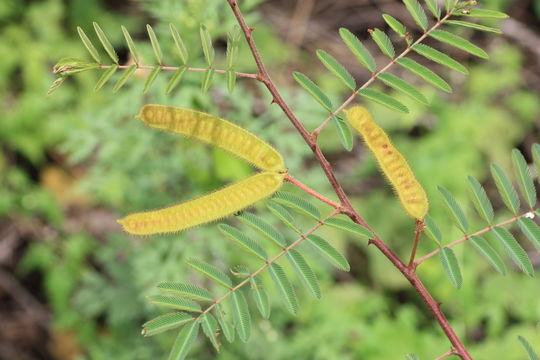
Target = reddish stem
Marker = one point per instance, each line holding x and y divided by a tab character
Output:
417	233
312	192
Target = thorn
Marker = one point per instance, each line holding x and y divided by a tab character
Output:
370	242
370	30
273	101
251	29
439	304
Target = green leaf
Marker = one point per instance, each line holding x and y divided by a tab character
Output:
233	38
344	132
536	159
125	77
459	42
516	252
175	302
151	78
180	46
417	13
106	43
454	209
434	8
451	266
297	204
531	231
424	73
397	26
491	255
210	329
336	68
208	48
211	272
105	77
359	50
263	228
155	44
88	45
207	80
383	99
484	13
480	200
175	79
305	272
450	5
284	286
335	257
55	85
186	290
383	42
165	322
283	214
241	315
528	348
506	189
439	57
474	26
403	86
131	45
260	297
349	226
313	90
184	341
226	327
523	175
243	241
231	80
432	230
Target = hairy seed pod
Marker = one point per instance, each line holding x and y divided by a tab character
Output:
214	131
206	208
393	164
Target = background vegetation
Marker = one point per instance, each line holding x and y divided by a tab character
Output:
72	286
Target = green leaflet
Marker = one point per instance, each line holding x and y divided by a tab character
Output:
383	42
284	286
516	252
344	132
432	230
165	322
491	255
105	77
451	266
349	226
155	44
397	26
484	13
260	297
233	38
55	85
454	209
313	90
184	341
282	214
88	45
403	86
243	241
417	13
439	57
536	157
531	231
336	68
459	42
474	26
335	257
263	228
211	272
175	302
226	326
528	348
131	45
424	73
125	77
186	290
208	48
296	203
359	50
505	188
231	80
384	99
175	79
180	46
105	42
207	79
305	272
480	200
210	329
241	315
151	78
450	5
434	8
523	175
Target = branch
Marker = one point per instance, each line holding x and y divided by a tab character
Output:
312	192
174	68
447	354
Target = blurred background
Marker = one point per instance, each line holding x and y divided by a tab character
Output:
72	285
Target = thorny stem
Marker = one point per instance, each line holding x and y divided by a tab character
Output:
417	234
410	275
447	354
466	237
174	68
312	192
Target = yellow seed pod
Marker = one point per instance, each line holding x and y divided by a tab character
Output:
206	208
393	164
214	131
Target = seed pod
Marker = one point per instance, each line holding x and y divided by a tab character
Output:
214	131
206	208
393	164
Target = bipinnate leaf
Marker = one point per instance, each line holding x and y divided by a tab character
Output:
297	204
451	266
151	78
313	90
263	228
434	8
208	48
125	77
480	200
189	291
474	26
432	230
359	50
403	86
211	272
175	302
531	231
524	178
105	77
383	42
454	210
516	252
417	13
239	238
484	13
155	44
210	329
260	297
491	255
165	322
424	73
88	45
397	26
349	226
184	341
334	256
344	132
439	57
131	45
284	215
105	42
459	42
305	272
175	79
284	286
384	100
336	68
528	348
506	189
241	316
180	46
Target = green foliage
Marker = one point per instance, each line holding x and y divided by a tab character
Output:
451	266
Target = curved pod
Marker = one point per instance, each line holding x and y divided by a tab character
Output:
214	131
391	161
206	208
